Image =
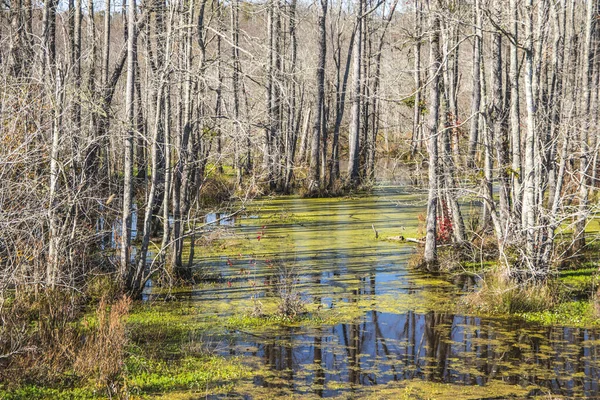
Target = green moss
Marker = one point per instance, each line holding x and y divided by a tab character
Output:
583	281
570	313
41	393
479	266
417	389
192	374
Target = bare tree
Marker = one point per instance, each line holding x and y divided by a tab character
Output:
354	138
430	255
315	177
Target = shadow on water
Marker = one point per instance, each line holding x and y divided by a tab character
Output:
400	328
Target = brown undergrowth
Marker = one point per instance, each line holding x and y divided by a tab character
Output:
49	340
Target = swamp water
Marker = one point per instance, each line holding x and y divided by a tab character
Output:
373	326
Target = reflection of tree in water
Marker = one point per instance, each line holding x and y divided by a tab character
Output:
381	347
435	346
319	378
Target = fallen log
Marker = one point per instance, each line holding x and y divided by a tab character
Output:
403	239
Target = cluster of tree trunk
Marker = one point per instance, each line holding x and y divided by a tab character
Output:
114	113
532	116
108	112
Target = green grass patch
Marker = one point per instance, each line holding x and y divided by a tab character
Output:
193	374
570	313
32	392
580	281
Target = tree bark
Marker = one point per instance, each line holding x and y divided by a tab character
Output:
354	138
124	270
579	234
529	206
315	178
476	97
515	121
430	254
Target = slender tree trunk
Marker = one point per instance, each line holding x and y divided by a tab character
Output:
219	90
558	13
476	99
91	154
579	234
529	206
181	173
52	270
275	109
354	138
128	146
340	107
160	115
515	121
16	45
168	177
430	255
497	117
76	65
268	151
235	82
320	102
292	128
416	142
451	189
372	150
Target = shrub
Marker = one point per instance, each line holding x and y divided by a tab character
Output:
290	300
499	294
103	351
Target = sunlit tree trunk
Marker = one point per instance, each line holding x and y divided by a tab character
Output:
416	133
341	90
235	82
354	136
320	103
529	172
515	120
476	96
430	255
183	145
579	234
128	148
497	120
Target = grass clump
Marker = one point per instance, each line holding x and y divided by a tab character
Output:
102	354
51	349
502	295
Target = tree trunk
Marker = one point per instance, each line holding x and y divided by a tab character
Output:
128	146
529	206
515	121
354	138
235	79
315	178
430	255
579	234
416	142
476	99
340	106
